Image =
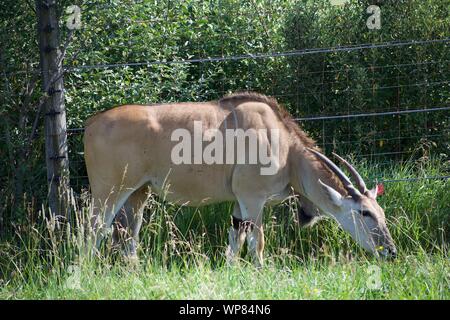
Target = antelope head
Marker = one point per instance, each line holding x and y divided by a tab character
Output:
358	212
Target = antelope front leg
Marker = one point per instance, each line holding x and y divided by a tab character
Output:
252	212
255	244
236	236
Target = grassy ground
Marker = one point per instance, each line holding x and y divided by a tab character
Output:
182	254
411	277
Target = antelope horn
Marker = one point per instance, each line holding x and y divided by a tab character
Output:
355	194
359	180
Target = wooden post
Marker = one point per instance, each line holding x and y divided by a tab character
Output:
54	112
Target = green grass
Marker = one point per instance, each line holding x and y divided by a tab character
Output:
411	277
182	253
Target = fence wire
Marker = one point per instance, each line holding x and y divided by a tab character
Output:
295	53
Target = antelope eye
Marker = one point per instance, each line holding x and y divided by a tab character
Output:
365	213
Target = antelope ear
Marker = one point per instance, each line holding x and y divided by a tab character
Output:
334	196
373	193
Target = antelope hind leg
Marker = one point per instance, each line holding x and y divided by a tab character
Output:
128	223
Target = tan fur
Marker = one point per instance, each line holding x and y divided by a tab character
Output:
238	98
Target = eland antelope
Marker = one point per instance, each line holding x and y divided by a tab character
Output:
130	149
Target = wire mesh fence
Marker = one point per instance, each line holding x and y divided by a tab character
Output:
361	106
378	97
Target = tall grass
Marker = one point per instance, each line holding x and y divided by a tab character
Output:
187	244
